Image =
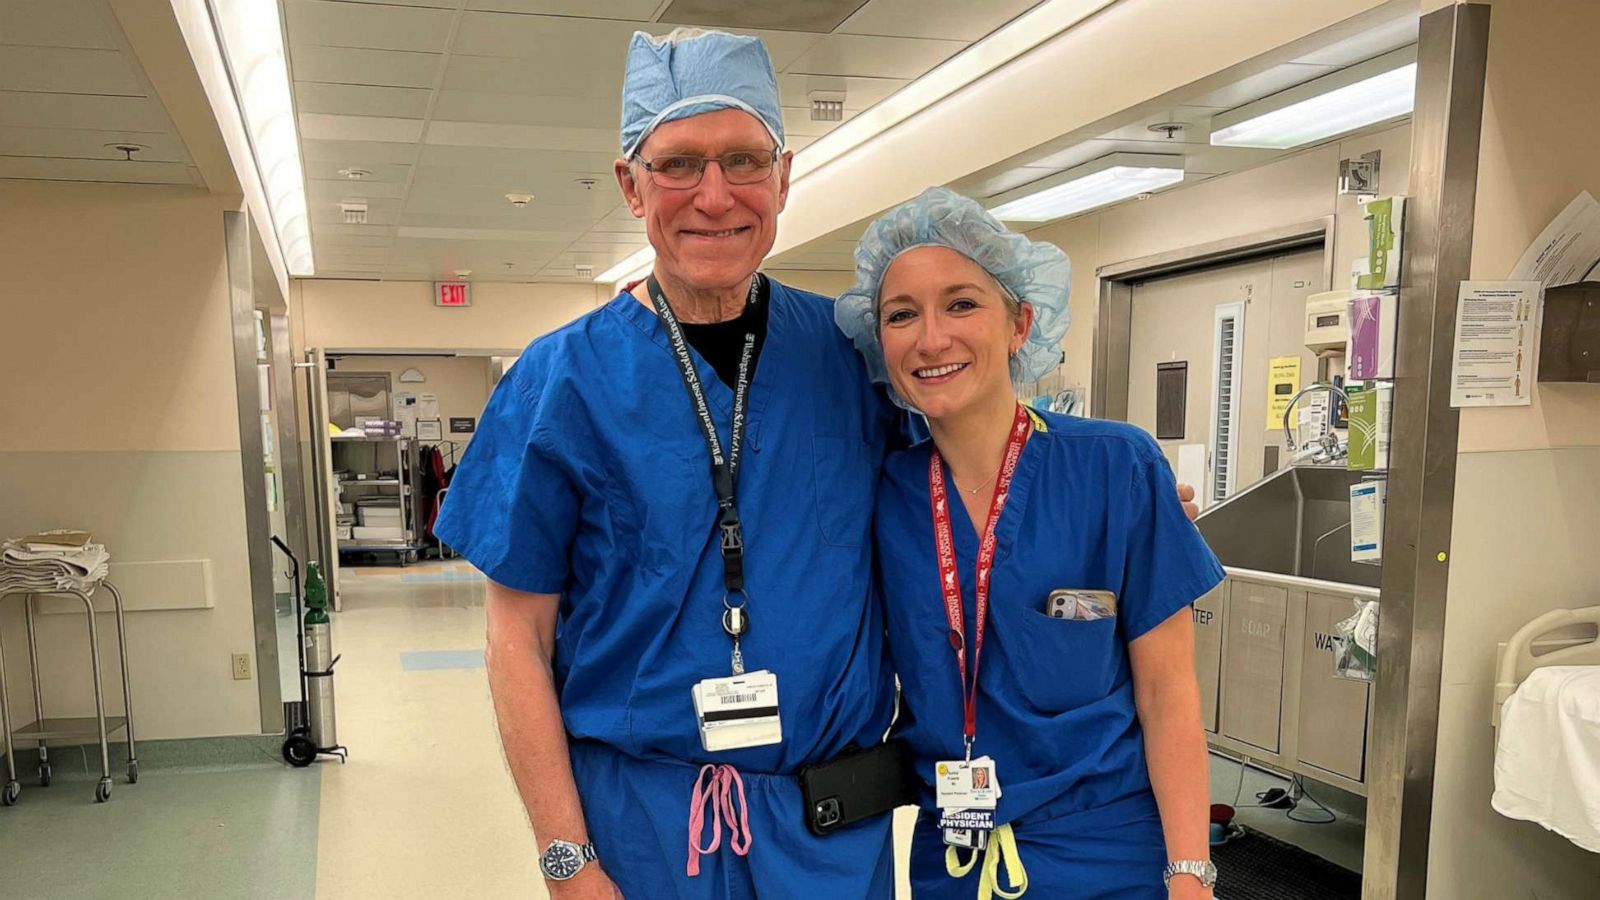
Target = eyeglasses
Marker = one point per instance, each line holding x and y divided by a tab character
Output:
679	173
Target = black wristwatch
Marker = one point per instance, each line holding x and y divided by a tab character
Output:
563	860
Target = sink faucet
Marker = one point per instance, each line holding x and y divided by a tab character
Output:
1328	448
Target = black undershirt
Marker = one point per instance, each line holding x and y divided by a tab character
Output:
722	343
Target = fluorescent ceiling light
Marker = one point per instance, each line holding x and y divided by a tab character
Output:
1365	94
251	37
1012	40
636	266
1106	180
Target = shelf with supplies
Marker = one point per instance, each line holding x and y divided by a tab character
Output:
375	482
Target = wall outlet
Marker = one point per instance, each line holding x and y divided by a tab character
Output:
241	667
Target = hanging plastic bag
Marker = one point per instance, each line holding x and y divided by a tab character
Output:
1357	656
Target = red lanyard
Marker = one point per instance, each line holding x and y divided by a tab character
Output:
950	581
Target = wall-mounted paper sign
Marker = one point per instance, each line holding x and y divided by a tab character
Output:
1497	338
1283	382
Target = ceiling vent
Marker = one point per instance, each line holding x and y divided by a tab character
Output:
827	106
583	270
355	212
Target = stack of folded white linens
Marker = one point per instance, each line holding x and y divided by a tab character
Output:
52	561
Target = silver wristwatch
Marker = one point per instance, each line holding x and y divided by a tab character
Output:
1199	868
563	859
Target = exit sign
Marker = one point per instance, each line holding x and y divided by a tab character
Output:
452	293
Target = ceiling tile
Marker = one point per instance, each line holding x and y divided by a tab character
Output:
546	75
955	20
89	144
859	93
67	70
632	10
501	235
361	99
367	25
500	34
378	157
391	68
819	16
334	190
798	123
57	23
874	57
429	4
525	109
531	137
324	127
465	159
87	111
118	172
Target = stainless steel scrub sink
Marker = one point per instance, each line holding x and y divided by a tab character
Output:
1295	521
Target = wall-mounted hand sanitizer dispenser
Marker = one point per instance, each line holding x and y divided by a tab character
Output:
1328	320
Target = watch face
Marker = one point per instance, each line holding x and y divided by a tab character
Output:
561	861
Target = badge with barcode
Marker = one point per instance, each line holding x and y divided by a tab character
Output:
739	711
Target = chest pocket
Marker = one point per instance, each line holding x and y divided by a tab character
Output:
1060	664
843	470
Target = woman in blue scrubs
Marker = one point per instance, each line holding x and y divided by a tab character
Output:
1041	626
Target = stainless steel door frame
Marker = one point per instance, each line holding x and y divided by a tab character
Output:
1452	57
237	238
323	512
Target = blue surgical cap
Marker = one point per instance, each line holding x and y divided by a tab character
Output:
1033	272
689	72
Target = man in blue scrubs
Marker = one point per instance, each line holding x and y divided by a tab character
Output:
679	620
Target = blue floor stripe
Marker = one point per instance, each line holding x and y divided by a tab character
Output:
435	660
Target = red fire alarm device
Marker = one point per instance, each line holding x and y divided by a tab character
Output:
452	293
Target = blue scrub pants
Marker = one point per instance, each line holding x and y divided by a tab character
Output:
1114	852
637	812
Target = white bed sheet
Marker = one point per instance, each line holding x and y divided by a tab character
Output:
1547	762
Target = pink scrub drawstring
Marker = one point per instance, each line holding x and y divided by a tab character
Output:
717	791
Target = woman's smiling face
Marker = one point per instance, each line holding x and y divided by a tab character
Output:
947	330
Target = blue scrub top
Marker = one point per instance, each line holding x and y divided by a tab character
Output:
590	478
1093	506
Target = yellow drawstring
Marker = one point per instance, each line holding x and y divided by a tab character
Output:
1002	849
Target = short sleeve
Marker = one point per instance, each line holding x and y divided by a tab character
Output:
512	509
1168	565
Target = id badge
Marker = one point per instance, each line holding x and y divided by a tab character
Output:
739	711
959	784
966	838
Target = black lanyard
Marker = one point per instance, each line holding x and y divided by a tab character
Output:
724	466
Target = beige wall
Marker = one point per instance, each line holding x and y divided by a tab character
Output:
828	284
1527	479
400	315
460	382
119	416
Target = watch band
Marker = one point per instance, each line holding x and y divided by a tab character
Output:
1202	869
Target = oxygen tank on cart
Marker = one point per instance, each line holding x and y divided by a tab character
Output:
319	662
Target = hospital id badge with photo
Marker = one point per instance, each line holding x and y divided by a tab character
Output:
963	784
739	711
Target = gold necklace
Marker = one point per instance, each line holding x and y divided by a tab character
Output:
974	491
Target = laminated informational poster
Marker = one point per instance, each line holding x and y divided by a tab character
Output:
1497	338
1283	382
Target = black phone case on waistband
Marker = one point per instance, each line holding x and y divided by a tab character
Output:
857	786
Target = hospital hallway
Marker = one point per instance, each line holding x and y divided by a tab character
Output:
425	807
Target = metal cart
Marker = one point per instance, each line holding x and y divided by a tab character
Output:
43	729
